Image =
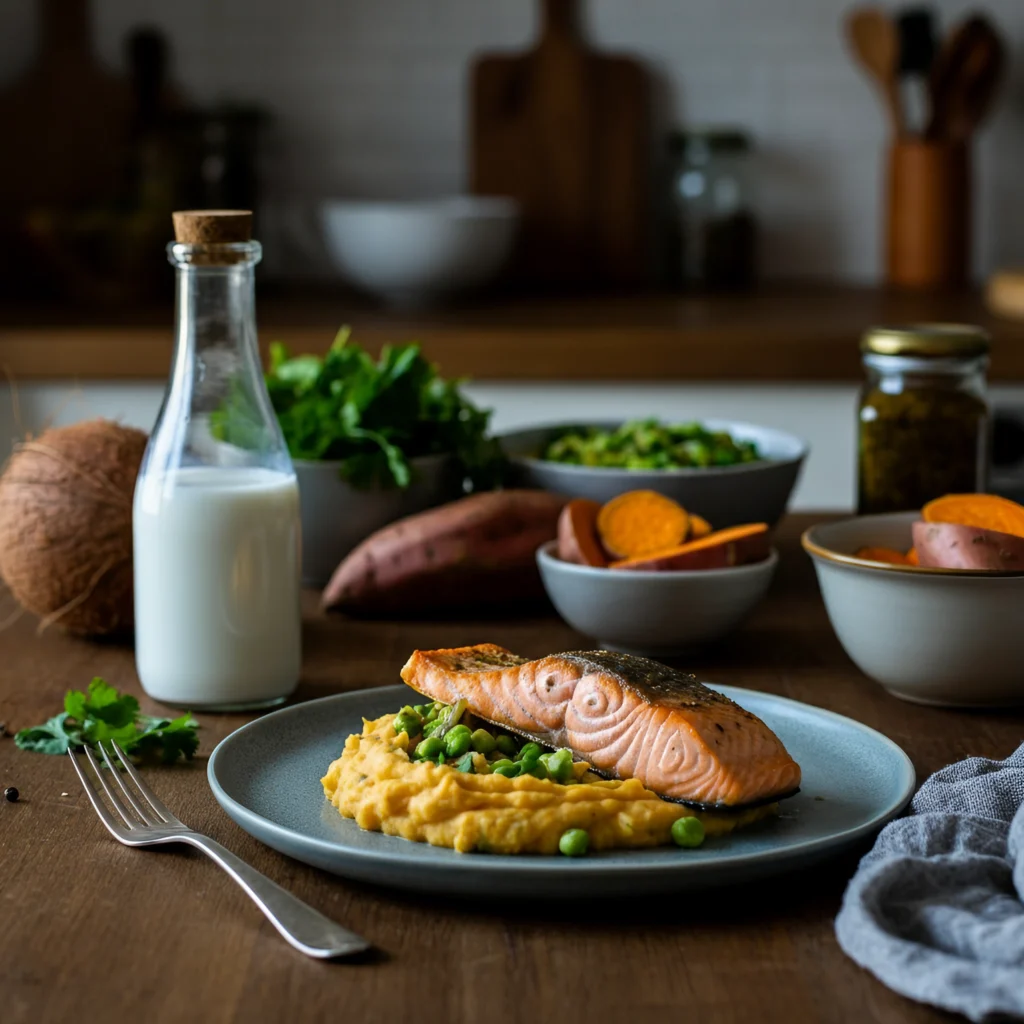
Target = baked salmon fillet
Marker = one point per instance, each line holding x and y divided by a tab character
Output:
630	717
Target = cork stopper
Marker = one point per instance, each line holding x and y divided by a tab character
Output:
212	227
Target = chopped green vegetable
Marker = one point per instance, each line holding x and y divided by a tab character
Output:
506	745
559	765
464	764
450	716
482	742
457	741
373	416
574	842
687	832
530	751
408	721
429	748
102	714
649	444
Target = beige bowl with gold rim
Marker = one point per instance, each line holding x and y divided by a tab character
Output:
949	637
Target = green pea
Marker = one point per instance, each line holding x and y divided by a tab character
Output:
422	709
432	712
537	770
457	741
507	768
559	765
574	842
529	751
407	720
429	748
482	742
506	745
687	832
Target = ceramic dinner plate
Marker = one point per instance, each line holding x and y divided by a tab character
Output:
267	774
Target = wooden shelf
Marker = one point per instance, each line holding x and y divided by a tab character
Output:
776	334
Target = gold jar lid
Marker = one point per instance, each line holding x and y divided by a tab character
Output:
927	341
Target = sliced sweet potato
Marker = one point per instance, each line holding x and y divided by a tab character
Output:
641	522
889	555
476	551
699	527
577	534
953	546
987	511
737	545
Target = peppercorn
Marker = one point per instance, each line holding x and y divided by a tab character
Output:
3	730
11	794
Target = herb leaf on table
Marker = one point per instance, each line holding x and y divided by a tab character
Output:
102	714
372	416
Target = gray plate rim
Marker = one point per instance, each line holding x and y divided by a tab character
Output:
597	864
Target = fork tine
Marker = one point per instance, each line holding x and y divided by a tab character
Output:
154	801
115	801
94	798
147	819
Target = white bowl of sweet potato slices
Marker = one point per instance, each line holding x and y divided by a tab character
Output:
930	603
641	574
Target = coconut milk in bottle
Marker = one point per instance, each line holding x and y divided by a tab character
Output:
216	511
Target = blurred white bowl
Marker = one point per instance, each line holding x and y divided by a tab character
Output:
951	637
411	252
653	613
336	516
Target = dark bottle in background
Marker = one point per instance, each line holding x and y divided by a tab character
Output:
711	232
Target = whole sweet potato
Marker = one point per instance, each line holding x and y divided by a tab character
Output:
951	546
472	552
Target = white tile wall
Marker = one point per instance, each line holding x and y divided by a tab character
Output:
370	100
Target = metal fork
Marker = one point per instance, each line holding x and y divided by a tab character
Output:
148	822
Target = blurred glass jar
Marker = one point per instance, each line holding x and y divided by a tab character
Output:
713	233
923	421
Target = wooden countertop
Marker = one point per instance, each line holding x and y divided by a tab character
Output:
95	931
775	334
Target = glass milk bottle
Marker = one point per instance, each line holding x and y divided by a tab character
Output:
216	513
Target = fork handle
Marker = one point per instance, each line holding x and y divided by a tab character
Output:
303	927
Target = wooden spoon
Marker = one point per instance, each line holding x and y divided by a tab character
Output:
874	40
965	79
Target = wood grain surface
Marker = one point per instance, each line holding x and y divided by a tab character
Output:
565	131
92	931
780	333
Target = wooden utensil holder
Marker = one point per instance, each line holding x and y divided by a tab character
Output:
928	218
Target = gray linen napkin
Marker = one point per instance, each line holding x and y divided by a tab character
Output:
935	910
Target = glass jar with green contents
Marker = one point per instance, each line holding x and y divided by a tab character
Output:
923	424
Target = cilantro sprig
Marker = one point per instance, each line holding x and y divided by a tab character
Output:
103	714
372	415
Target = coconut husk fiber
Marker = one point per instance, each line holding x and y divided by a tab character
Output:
66	526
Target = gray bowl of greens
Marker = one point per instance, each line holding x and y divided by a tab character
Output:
726	471
372	440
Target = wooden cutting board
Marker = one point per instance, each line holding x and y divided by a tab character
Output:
566	131
64	123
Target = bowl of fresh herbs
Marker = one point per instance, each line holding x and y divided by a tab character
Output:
372	440
726	471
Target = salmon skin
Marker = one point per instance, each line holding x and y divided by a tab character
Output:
629	717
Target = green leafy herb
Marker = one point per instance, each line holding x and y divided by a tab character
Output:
373	416
102	714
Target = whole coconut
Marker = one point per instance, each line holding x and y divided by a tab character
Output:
66	525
